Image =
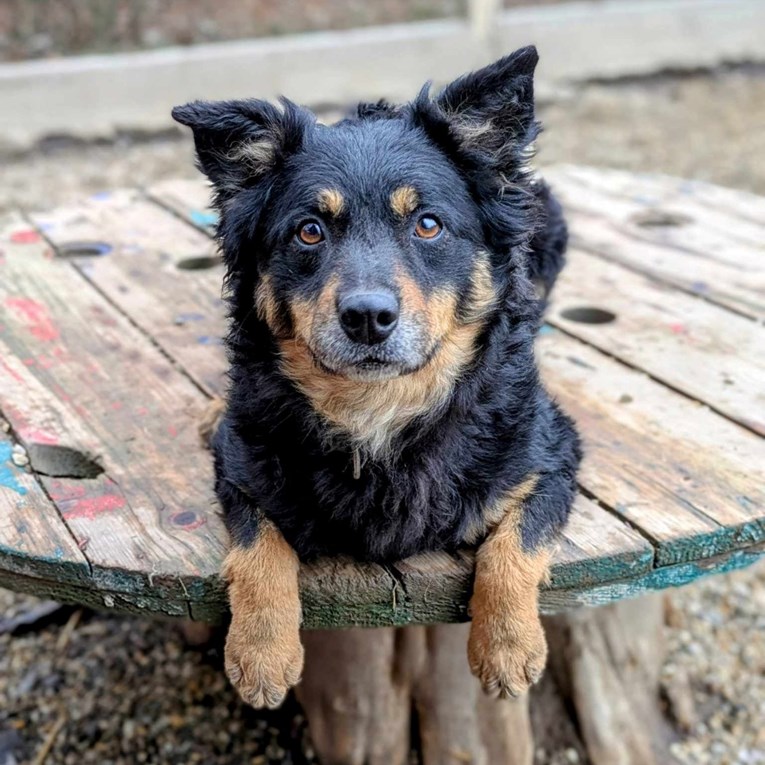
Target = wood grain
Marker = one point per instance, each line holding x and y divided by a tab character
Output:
34	541
79	374
111	349
146	274
671	242
690	480
689	344
189	200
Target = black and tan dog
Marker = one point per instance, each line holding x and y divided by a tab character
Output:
384	398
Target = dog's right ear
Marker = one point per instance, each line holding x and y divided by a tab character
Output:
238	142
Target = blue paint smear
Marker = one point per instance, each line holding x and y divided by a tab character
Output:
8	471
182	318
201	218
208	340
546	329
100	195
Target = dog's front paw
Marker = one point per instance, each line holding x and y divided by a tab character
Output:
507	653
264	657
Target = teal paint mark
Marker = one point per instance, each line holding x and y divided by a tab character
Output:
203	218
8	471
546	329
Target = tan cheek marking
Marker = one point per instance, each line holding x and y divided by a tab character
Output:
265	305
482	296
309	313
331	201
404	201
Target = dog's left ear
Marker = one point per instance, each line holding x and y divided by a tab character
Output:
488	113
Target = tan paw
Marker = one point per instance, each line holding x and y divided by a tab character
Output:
263	660
506	655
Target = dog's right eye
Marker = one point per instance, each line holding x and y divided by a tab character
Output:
310	232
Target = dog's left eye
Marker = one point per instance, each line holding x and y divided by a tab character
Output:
428	227
310	232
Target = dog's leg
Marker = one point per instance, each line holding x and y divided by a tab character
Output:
507	648
264	656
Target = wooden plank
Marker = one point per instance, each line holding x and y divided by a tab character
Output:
148	256
690	480
665	210
34	541
189	200
689	344
711	263
734	212
78	374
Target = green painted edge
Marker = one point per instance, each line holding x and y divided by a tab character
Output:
395	607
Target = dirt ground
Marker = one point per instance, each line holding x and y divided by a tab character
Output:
112	690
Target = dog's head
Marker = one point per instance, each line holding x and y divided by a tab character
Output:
375	248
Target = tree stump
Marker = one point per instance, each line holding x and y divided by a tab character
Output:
370	696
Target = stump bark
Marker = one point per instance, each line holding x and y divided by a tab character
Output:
370	696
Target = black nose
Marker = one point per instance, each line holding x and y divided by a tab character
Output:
368	317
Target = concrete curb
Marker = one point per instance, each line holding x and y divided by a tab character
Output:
95	96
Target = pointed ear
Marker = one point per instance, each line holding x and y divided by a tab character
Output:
491	111
238	142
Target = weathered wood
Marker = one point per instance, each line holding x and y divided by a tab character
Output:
457	722
674	247
78	374
690	480
34	541
356	694
150	255
607	663
359	686
189	200
680	487
687	343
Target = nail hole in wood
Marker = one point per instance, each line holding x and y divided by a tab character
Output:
62	462
588	315
198	262
84	249
655	217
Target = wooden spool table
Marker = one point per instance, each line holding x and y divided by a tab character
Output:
110	326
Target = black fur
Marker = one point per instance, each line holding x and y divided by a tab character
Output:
467	149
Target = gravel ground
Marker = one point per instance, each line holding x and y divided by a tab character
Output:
108	690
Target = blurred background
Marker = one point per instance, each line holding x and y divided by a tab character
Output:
86	86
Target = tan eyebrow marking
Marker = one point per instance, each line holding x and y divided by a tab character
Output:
331	201
404	201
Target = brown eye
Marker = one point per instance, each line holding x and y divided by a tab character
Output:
310	233
427	227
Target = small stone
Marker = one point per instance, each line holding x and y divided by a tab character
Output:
572	755
19	456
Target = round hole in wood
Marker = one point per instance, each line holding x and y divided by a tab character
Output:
655	217
198	262
84	249
62	461
586	314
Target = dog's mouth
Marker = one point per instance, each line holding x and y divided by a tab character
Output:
371	368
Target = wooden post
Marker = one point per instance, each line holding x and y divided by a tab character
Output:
370	695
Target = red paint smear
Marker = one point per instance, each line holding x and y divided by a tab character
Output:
36	316
28	236
36	436
63	492
172	431
678	329
12	372
93	506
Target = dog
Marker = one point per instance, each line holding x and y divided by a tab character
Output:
385	279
